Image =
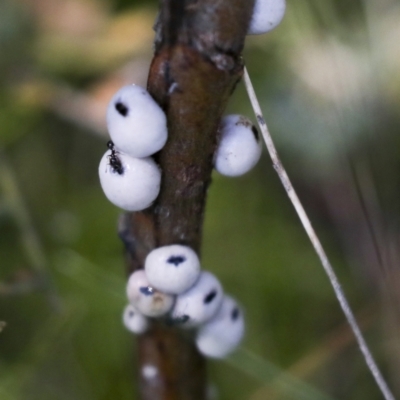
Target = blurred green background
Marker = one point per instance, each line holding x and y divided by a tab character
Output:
328	79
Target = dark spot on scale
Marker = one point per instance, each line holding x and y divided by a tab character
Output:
147	290
122	108
255	133
235	314
131	314
210	297
176	260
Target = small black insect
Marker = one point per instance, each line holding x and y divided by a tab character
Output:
113	159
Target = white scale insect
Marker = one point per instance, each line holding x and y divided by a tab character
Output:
145	298
267	15
239	147
134	321
198	304
136	187
172	269
218	337
136	123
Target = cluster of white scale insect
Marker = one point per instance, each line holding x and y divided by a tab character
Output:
129	176
172	286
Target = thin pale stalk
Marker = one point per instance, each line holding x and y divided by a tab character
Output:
283	176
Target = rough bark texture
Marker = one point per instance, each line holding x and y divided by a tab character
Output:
196	67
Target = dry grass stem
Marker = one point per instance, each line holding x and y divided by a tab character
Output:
283	176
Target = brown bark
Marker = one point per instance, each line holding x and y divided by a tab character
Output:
196	67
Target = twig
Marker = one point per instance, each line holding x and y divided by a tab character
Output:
196	67
278	166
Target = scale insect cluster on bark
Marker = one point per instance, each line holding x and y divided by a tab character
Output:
196	67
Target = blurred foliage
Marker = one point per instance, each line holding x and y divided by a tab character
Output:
329	82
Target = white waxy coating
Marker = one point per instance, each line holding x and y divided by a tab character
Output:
136	123
239	148
267	14
138	185
172	269
134	321
223	333
200	303
146	299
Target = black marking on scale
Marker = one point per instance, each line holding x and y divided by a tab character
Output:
210	297
122	108
235	314
176	260
147	290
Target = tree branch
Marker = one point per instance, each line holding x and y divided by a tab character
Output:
196	67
